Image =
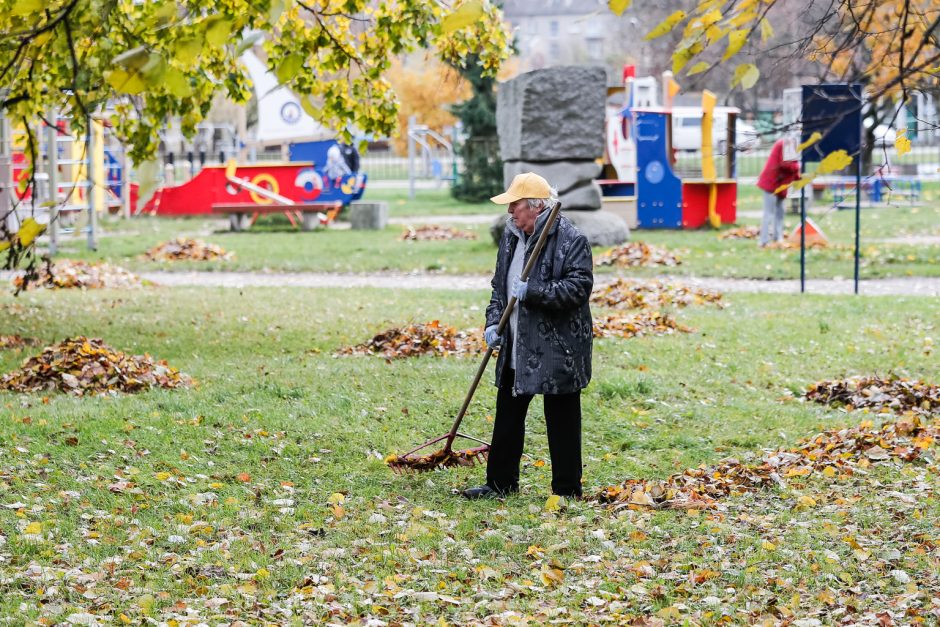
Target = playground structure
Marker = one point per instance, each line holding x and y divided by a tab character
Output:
435	149
72	177
317	179
648	191
312	178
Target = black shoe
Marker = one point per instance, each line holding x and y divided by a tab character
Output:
485	492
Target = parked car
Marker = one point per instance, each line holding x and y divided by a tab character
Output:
885	136
687	130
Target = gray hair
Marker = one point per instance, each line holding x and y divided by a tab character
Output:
544	203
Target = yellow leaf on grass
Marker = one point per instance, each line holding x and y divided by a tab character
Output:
806	501
736	40
29	231
833	162
336	498
553	503
767	545
551	577
829	472
815	137
618	6
262	573
745	75
33	528
146	603
901	143
162	476
464	15
666	25
670	612
639	497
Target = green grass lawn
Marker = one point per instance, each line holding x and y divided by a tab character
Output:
261	494
274	245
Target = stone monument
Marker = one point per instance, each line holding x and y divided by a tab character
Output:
551	122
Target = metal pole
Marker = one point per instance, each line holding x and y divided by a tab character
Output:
858	189
52	163
92	175
411	157
802	240
858	213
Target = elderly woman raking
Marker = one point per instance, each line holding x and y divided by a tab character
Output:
547	347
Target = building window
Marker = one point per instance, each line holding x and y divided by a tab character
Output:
553	28
595	49
554	50
594	28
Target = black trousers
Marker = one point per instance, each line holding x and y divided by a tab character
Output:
563	422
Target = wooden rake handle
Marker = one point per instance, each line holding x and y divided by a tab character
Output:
503	321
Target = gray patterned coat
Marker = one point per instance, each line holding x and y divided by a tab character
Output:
555	332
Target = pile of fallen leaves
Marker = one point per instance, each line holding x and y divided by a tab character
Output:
741	232
431	338
436	233
81	366
8	342
67	274
641	323
893	394
185	249
831	453
633	294
634	254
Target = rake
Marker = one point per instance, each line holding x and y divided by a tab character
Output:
414	461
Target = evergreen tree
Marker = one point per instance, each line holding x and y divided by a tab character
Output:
482	175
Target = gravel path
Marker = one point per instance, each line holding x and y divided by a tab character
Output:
915	286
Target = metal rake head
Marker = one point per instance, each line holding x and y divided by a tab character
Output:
444	458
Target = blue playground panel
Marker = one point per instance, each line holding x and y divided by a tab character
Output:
345	188
659	190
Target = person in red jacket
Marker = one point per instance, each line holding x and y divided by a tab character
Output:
776	173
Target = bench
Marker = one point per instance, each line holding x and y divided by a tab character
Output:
243	215
876	186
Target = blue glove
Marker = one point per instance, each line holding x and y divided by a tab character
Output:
491	337
519	289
